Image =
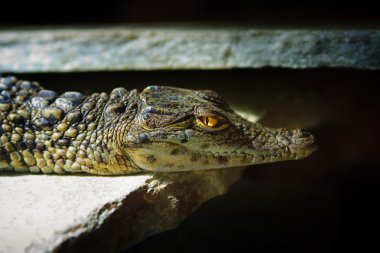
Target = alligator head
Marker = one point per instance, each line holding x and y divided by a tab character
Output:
180	130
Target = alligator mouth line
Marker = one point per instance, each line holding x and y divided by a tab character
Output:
263	156
284	153
247	158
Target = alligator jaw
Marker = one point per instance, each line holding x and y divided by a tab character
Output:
266	146
273	145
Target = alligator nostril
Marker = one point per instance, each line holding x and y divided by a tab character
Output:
298	133
303	143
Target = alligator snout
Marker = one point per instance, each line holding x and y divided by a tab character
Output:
302	143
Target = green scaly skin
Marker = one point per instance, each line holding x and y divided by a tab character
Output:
126	132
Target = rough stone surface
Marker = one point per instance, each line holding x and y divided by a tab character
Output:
148	48
50	213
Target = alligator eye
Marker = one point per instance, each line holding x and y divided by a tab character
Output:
211	123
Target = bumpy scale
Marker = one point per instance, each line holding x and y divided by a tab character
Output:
161	129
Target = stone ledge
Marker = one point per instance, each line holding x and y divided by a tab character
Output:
147	48
52	213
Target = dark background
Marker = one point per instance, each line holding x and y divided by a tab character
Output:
325	203
326	13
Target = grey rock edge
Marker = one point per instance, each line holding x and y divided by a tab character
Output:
52	213
154	48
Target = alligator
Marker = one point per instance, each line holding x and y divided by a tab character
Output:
161	129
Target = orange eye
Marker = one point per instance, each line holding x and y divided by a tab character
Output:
211	122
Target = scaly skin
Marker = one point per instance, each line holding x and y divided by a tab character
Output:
161	129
